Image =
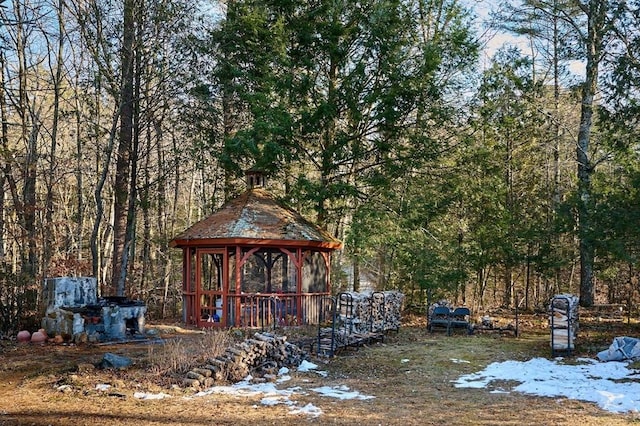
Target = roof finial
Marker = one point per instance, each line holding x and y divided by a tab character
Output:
255	178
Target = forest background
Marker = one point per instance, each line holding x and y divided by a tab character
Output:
493	182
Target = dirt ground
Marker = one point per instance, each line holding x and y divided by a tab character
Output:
409	374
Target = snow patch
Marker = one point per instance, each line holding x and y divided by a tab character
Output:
589	380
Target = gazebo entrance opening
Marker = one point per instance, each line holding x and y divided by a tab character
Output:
211	285
254	286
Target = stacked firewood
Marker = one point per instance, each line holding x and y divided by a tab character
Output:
437	304
376	312
261	356
393	302
563	321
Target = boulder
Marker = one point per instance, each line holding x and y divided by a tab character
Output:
113	361
38	337
24	336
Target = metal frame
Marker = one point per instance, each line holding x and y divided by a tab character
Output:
569	328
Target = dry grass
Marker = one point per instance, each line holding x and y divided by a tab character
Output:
179	355
410	374
413	374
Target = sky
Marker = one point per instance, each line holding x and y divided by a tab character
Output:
492	39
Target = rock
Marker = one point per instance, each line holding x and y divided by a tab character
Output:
115	361
152	332
38	337
64	388
80	338
85	368
24	336
270	377
191	383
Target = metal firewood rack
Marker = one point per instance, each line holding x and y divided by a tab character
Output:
570	327
340	329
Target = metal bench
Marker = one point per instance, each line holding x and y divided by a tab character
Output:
460	318
442	317
439	318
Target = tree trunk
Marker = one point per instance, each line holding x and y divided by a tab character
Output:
57	81
508	285
123	162
174	208
28	137
145	202
95	254
356	273
7	169
596	15
4	143
79	182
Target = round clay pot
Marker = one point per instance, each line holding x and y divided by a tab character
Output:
38	337
24	336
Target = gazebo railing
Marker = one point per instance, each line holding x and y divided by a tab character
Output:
272	310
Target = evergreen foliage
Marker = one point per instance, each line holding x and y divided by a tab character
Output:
375	119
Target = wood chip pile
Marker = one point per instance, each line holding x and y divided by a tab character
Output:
563	321
261	356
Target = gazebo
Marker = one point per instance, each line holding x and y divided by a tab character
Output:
254	262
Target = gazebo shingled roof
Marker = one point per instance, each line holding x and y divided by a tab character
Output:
255	217
254	259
